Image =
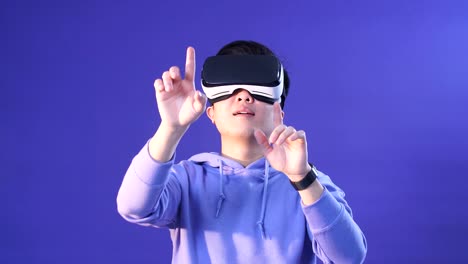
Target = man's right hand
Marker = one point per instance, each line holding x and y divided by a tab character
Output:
179	103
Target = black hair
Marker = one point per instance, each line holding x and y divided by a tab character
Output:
248	47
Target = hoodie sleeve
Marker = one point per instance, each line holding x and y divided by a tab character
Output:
336	238
150	193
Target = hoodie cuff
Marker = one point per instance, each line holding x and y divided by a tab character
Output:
323	213
149	170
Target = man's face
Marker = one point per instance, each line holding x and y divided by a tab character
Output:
240	114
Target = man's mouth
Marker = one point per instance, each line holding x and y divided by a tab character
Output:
243	113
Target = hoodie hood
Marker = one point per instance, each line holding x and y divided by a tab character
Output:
226	165
213	160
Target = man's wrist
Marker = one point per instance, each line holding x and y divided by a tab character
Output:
306	181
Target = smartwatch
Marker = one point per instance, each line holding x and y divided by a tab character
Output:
310	177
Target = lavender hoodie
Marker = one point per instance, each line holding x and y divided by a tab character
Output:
218	211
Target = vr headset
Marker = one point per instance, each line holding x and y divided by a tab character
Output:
261	75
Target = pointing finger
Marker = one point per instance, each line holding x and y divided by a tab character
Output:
190	64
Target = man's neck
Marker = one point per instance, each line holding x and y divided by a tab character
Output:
245	151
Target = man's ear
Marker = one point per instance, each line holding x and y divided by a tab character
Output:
210	113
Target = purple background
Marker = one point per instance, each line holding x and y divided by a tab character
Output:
381	89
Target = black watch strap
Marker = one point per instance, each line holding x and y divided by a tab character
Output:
310	177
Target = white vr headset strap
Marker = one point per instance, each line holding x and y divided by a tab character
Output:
265	91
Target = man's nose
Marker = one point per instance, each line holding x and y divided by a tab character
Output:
244	95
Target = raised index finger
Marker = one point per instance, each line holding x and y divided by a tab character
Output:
277	116
190	64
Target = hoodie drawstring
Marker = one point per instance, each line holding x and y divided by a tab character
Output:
221	192
260	222
222	197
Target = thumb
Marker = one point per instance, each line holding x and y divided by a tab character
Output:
262	140
199	103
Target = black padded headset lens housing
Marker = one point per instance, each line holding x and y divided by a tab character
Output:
261	70
260	75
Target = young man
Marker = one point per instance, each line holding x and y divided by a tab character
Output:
259	200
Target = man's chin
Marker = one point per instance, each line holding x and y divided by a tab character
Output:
246	133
